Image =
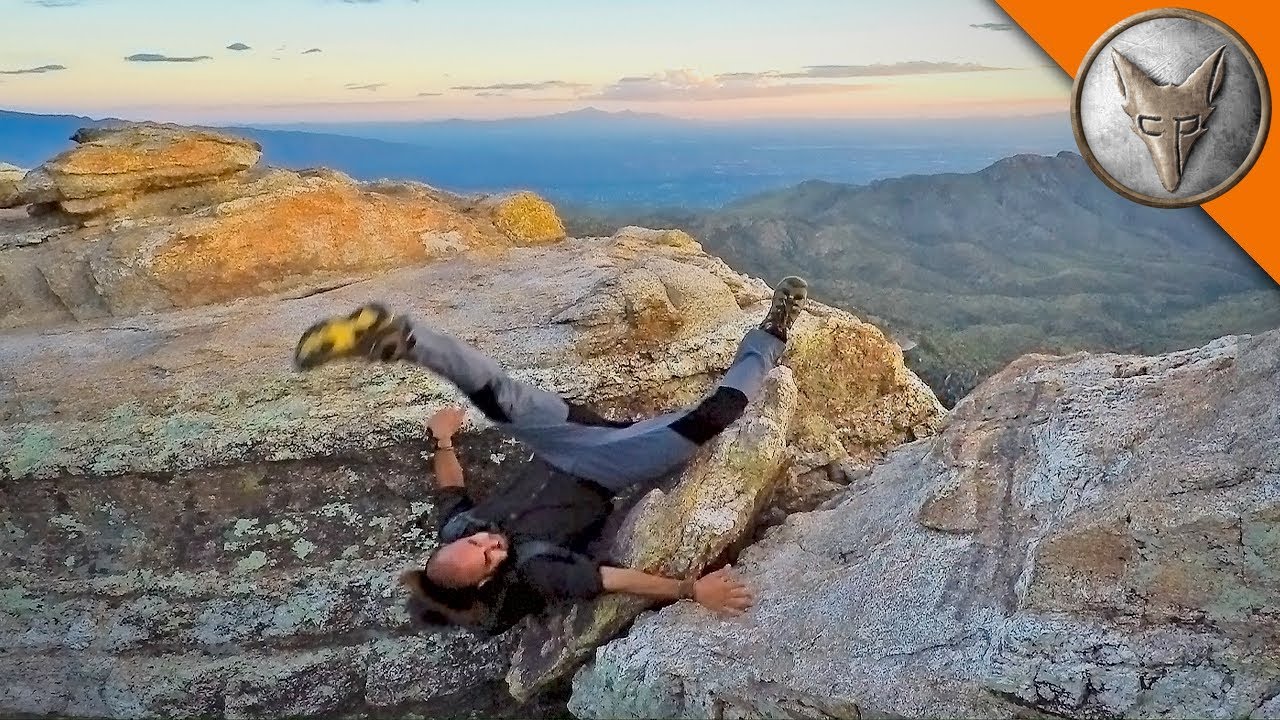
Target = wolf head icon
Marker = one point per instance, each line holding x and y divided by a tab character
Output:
1170	118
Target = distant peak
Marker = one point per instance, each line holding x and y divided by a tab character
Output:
593	112
1024	162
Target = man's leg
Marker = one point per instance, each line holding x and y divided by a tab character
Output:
373	333
502	398
549	425
654	447
758	353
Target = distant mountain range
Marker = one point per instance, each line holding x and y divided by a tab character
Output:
1032	253
594	158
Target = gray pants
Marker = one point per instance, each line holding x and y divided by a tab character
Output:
576	440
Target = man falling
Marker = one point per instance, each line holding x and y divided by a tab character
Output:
519	550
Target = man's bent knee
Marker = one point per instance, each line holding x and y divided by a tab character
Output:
486	399
712	415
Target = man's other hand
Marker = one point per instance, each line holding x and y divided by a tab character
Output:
446	421
722	592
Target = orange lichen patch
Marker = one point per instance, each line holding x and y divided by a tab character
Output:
1084	569
274	242
845	366
856	374
103	159
527	219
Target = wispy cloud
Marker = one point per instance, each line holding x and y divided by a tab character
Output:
238	47
371	87
429	94
56	3
527	86
910	67
690	85
312	50
156	57
35	70
492	93
1000	27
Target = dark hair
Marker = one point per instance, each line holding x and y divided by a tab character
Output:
490	610
434	604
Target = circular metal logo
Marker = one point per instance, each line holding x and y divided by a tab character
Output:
1170	108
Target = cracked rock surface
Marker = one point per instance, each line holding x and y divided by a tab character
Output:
1092	536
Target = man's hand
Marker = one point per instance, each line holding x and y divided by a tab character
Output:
443	425
721	592
446	422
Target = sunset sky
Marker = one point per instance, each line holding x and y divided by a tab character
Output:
344	60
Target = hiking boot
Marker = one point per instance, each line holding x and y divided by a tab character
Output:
788	299
370	333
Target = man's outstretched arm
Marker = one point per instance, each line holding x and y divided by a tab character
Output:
719	591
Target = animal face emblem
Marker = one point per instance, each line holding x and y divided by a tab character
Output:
1170	118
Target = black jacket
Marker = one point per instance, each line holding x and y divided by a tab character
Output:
549	518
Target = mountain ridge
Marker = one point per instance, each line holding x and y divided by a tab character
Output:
1029	254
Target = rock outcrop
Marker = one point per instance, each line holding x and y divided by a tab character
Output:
154	218
10	179
1087	537
189	527
111	166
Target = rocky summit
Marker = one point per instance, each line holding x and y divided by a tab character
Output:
188	527
191	528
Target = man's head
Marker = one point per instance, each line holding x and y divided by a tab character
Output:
469	561
447	591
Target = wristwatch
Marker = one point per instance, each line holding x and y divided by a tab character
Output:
686	589
437	444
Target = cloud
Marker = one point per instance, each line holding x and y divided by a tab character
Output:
156	57
492	93
371	87
312	50
429	94
690	85
56	3
534	86
999	27
35	70
238	47
911	67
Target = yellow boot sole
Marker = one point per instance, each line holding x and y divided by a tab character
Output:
354	335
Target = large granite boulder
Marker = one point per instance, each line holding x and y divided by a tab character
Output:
188	527
132	159
1092	536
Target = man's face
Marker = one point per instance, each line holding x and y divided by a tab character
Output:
468	561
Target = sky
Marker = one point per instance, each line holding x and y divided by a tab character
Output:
355	60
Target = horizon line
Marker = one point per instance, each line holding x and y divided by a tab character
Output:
123	117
